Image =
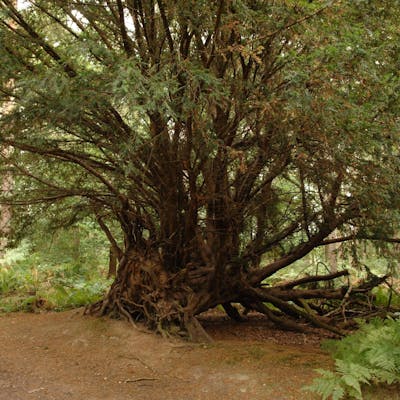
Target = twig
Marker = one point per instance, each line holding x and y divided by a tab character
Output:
344	301
140	380
143	363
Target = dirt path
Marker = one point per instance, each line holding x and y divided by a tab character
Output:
64	356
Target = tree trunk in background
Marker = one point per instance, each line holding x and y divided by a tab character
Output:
331	255
7	183
5	214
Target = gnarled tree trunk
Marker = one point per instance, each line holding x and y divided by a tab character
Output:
169	301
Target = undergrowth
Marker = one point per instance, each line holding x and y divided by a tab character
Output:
51	287
55	274
371	356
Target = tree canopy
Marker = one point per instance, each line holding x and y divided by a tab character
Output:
227	139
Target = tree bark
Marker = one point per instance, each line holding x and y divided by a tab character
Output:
331	254
112	263
5	213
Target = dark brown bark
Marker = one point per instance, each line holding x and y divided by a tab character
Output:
112	263
168	302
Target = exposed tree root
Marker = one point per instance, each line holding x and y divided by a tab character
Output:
168	304
232	312
196	331
279	320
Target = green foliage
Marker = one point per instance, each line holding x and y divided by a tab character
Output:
369	356
385	296
62	270
87	109
49	287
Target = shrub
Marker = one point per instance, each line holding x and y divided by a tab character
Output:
369	356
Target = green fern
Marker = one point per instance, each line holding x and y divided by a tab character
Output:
369	356
327	385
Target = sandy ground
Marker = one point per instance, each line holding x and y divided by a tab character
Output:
65	356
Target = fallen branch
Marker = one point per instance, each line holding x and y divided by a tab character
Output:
140	380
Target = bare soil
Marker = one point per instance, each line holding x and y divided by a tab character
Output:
65	356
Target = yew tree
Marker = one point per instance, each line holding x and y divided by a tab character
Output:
225	139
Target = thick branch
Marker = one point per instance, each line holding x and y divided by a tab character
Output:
291	309
166	25
125	38
359	237
109	235
302	249
309	279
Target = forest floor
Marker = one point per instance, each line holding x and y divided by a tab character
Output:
65	356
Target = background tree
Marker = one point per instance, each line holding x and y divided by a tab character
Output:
6	181
227	138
